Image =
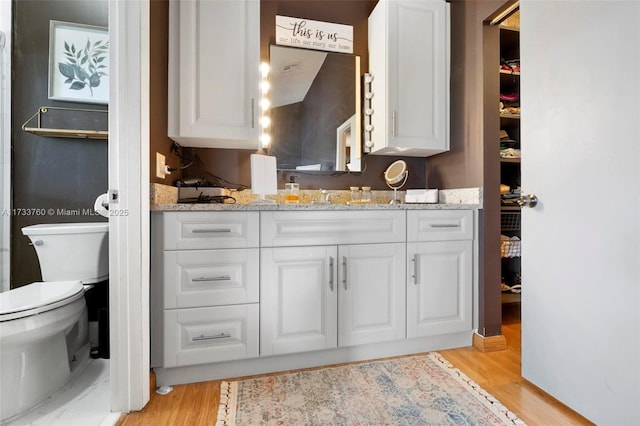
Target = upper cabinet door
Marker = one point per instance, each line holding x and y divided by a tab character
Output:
409	50
214	56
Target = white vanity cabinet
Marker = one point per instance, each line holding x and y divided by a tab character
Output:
440	272
331	279
409	50
241	291
214	56
205	288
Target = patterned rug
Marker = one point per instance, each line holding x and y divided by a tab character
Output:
415	390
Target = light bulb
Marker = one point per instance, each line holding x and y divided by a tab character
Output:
265	121
265	140
264	69
264	103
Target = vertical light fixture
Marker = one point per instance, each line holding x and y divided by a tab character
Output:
265	119
368	112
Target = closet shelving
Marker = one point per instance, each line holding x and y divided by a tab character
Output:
509	112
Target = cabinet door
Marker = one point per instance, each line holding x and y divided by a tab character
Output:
409	60
439	287
298	299
214	55
371	304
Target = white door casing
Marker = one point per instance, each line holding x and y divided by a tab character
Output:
580	94
129	216
5	143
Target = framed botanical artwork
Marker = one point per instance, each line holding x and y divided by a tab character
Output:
78	63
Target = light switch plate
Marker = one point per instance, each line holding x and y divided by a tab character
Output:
161	168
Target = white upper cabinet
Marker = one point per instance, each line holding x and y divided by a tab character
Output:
409	47
214	58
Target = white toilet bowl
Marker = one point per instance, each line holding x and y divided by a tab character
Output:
44	332
44	338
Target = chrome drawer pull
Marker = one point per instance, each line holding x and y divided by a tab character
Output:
217	336
344	270
414	259
206	279
331	273
209	231
444	225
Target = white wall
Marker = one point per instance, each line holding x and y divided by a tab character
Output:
580	95
5	141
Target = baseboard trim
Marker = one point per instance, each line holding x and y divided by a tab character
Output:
490	343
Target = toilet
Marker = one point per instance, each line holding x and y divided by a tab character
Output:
44	330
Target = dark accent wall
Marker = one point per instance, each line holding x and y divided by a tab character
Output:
158	92
49	173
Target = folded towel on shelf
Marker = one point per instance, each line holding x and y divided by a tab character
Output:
513	288
509	246
510	153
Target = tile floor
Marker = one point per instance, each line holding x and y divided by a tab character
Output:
84	401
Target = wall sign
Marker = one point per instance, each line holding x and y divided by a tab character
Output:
316	35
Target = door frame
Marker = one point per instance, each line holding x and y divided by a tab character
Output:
5	145
129	250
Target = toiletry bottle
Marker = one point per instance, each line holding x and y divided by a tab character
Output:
366	194
355	194
291	192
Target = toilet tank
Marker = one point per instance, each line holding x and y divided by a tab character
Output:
71	251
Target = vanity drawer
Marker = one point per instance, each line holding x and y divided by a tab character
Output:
209	230
311	228
439	225
195	278
205	335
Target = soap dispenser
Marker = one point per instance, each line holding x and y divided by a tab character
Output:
292	191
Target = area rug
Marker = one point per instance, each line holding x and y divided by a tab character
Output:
415	390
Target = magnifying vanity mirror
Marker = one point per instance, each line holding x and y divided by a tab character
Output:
315	110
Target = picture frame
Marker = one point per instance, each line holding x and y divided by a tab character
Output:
78	62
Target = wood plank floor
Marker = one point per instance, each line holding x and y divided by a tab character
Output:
497	372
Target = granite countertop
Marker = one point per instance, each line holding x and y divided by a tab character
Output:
164	198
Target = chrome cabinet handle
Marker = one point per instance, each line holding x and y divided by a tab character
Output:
206	279
444	225
214	337
414	259
394	131
344	271
210	231
331	273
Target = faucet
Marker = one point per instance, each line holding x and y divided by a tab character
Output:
324	196
327	197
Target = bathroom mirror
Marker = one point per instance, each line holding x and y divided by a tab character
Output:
315	110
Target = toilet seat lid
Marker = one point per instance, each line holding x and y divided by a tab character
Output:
37	295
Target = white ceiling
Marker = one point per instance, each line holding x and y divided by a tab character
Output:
292	73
